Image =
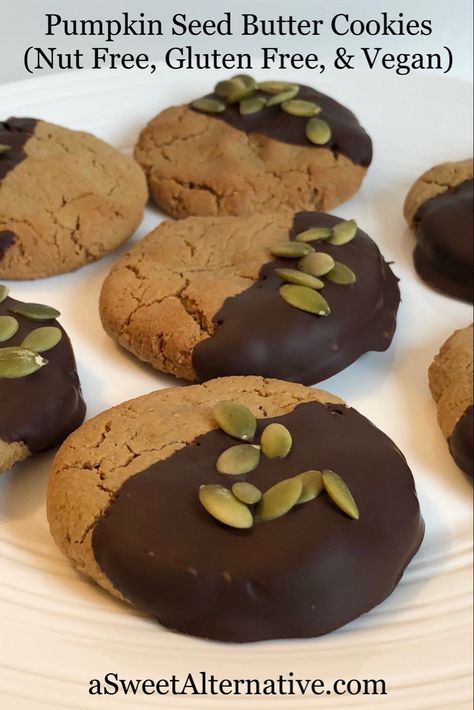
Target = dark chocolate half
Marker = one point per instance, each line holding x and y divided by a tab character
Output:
304	574
443	256
258	333
461	442
43	408
348	137
14	132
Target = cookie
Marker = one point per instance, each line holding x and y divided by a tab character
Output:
439	208
66	198
40	393
450	378
238	160
126	504
201	298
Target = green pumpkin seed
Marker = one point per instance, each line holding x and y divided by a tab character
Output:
306	299
291	250
252	105
293	276
246	79
317	264
4	291
276	441
8	327
239	459
35	311
297	107
4	148
312	485
341	274
287	95
314	233
224	88
340	494
246	492
17	362
318	131
235	419
240	90
343	232
276	87
208	105
279	499
224	506
42	339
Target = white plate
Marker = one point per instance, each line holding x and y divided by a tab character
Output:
58	630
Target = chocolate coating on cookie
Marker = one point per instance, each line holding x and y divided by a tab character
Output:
304	574
41	409
461	444
444	227
347	135
257	332
14	132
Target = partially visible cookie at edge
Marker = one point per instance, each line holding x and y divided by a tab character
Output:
40	394
439	209
450	379
236	161
66	198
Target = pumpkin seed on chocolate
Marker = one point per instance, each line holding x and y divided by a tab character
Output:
298	107
276	87
291	250
35	311
4	291
208	105
343	232
287	95
246	492
235	419
42	339
246	79
293	276
312	485
340	494
279	499
254	104
223	88
240	90
8	327
317	264
318	131
276	441
314	233
341	274
224	506
238	459
18	362
4	148
305	299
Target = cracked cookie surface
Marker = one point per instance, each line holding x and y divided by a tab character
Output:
199	165
439	209
66	199
199	298
450	379
123	507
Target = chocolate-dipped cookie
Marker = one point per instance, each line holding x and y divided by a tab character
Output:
450	378
40	394
250	148
139	501
66	198
439	208
208	297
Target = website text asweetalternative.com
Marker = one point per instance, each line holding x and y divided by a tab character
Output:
208	684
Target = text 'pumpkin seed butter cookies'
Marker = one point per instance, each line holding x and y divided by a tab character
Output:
66	198
251	147
439	208
450	377
296	297
152	501
40	395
